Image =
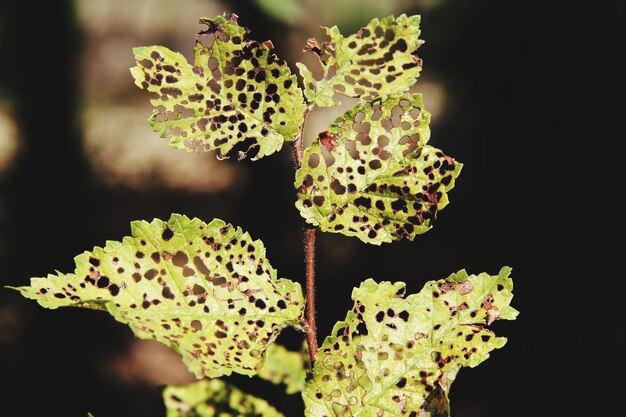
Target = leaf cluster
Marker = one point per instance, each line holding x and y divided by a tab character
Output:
208	290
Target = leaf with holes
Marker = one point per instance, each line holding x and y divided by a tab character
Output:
377	62
287	367
373	176
206	290
210	398
238	97
397	356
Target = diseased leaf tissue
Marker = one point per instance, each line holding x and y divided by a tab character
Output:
377	62
209	292
237	97
372	174
391	352
206	290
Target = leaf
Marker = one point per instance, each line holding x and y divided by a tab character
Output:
287	367
206	290
237	97
209	398
373	176
390	353
377	62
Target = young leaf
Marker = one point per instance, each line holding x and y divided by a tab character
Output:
282	366
212	398
376	62
206	290
373	176
238	96
391	353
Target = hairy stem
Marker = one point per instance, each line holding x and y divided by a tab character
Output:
309	257
311	333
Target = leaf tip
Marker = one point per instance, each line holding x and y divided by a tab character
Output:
458	276
138	51
505	272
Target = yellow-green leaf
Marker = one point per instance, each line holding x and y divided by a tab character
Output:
214	398
206	290
391	353
373	176
377	62
237	97
287	367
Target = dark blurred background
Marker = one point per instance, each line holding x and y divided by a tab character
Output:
529	95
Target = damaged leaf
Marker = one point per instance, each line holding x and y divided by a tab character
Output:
213	398
398	356
205	290
377	62
237	98
373	176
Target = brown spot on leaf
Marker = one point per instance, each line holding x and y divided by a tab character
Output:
465	287
180	259
328	141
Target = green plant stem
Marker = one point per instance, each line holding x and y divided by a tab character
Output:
309	256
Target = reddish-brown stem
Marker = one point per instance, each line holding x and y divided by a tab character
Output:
311	332
309	256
